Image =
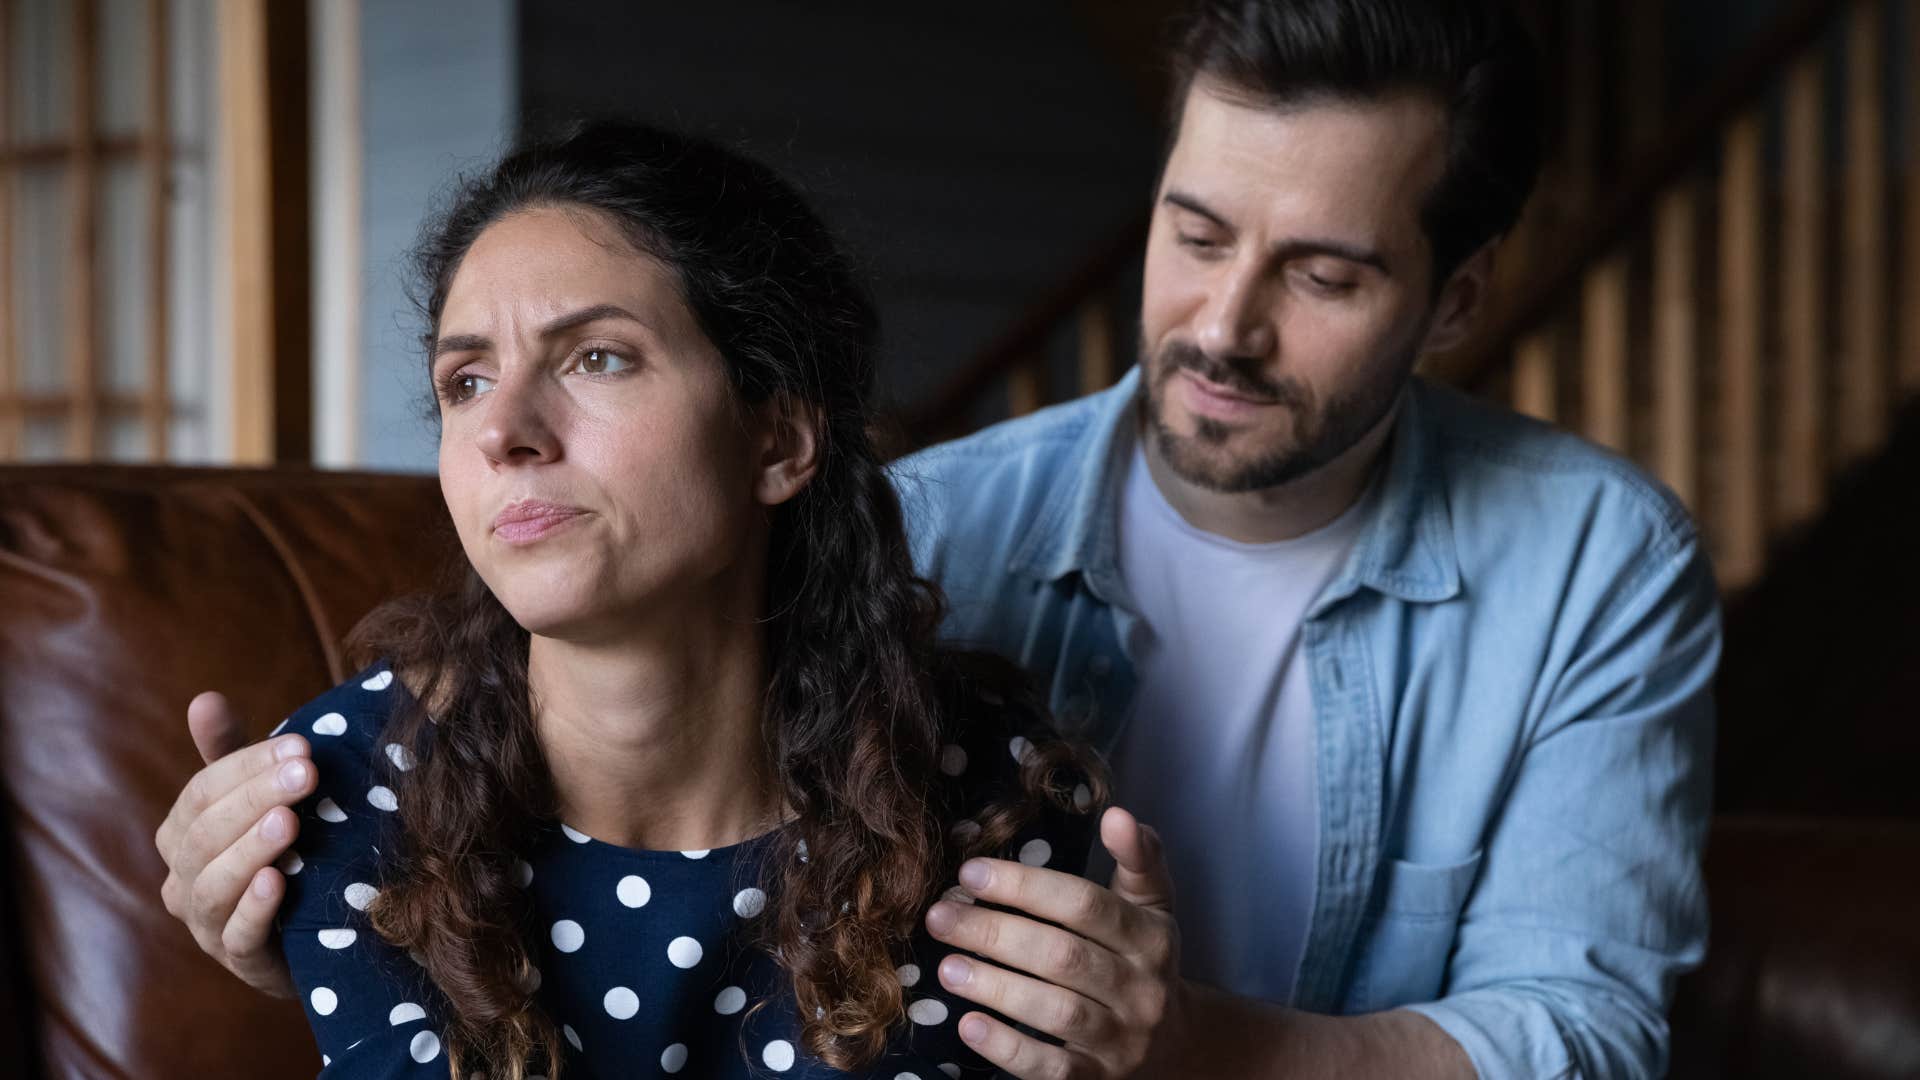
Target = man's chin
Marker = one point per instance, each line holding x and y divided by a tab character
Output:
1224	467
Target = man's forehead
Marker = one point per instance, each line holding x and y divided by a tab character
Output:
1369	163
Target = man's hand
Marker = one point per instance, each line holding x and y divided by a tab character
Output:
224	832
1105	980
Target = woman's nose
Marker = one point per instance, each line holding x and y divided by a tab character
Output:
518	426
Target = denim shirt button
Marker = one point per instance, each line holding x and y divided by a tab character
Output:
1100	667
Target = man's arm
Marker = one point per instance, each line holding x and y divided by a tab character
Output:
1591	899
1105	981
1244	1037
219	841
1589	904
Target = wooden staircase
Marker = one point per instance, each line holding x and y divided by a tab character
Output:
1738	311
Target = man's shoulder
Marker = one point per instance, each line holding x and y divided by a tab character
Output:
1531	475
985	488
1011	446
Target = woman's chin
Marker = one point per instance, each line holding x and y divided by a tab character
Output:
552	613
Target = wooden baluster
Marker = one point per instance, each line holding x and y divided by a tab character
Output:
156	405
1603	352
1027	386
1645	61
1863	383
1581	147
83	294
1909	274
244	134
12	416
1803	258
1536	389
1676	355
1099	362
1742	521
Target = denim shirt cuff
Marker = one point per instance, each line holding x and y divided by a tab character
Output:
1508	1037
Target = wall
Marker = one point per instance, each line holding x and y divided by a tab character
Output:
972	155
437	95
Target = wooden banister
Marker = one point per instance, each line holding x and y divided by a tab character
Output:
1026	339
1623	211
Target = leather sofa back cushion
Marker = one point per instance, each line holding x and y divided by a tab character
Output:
124	591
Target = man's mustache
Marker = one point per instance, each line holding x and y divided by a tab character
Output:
1237	376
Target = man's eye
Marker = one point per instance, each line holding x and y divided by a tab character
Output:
1201	242
603	362
1330	286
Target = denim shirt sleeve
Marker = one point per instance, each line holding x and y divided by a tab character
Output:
1591	901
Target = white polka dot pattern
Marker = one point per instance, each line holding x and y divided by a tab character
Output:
568	936
712	1010
633	891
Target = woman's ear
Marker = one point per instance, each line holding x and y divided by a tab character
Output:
789	442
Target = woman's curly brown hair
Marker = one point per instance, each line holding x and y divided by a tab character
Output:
860	699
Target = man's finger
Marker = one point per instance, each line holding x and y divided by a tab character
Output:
218	728
1048	952
223	824
1073	902
248	936
214	784
222	884
1021	1056
1043	1006
1140	873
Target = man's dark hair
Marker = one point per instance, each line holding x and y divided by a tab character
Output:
1474	56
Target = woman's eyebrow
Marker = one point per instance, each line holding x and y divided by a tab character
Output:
571	320
586	315
461	343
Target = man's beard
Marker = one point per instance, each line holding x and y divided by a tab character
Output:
1319	436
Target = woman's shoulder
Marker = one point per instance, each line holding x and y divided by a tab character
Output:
355	711
339	840
1008	764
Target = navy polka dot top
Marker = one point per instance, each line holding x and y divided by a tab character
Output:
644	958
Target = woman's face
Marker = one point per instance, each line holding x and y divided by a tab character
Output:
591	452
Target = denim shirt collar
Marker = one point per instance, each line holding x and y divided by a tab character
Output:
1405	550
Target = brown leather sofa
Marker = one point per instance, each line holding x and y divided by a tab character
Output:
125	590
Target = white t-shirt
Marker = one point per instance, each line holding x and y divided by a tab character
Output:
1218	753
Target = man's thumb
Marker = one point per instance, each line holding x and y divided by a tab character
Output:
218	728
1139	864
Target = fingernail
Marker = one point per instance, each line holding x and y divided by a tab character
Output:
940	917
976	875
285	749
293	776
955	972
972	1028
261	886
274	827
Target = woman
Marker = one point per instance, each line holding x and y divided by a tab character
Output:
668	779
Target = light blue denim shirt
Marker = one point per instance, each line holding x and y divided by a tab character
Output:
1511	683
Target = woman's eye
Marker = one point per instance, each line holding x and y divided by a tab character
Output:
603	362
462	386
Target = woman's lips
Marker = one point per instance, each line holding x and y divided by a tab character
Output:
524	522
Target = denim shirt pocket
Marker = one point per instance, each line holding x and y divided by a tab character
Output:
1408	933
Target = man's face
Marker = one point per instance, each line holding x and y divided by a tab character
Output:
1288	282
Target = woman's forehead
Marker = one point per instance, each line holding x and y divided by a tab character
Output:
542	263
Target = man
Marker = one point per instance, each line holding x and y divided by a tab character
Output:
1414	693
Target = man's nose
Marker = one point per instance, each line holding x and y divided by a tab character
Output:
1236	321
